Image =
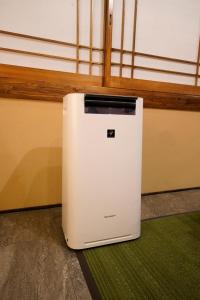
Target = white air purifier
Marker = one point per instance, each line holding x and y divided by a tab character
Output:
101	180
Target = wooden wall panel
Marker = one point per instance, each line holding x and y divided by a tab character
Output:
29	83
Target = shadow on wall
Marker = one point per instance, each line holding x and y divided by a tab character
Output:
35	181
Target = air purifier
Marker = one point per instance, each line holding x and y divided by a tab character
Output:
101	171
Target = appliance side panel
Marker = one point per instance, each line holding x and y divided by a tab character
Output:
70	173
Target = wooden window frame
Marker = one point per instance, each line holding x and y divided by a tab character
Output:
122	82
31	83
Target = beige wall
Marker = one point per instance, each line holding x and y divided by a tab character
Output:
30	152
171	150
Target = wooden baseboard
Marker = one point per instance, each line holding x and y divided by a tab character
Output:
171	191
29	208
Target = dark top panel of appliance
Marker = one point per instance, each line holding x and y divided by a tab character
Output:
106	104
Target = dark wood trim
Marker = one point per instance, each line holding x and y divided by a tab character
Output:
171	191
88	276
37	84
30	208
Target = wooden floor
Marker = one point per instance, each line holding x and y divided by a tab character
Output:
35	262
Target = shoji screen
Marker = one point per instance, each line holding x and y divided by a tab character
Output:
156	40
65	35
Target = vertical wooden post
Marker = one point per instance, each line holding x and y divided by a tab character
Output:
134	38
77	36
122	39
198	65
91	35
108	11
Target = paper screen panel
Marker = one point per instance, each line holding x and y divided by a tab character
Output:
59	22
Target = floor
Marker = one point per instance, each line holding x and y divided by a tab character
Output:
35	262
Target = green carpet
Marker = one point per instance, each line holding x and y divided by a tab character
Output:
163	264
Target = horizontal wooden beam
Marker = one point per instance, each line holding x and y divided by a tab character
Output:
45	55
155	86
37	84
42	39
156	70
157	57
